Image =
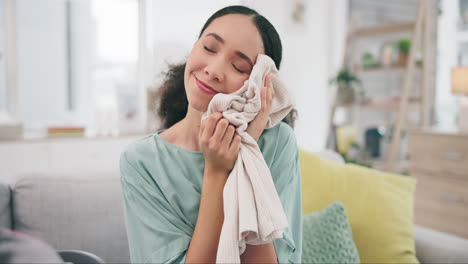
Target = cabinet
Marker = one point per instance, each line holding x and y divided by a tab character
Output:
439	163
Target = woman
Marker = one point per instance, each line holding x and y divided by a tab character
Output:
173	179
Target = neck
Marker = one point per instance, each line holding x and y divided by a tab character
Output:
188	130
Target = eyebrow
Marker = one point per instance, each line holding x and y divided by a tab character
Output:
238	53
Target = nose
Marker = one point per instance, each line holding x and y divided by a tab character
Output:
214	70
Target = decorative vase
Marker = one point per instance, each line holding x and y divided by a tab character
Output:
345	94
402	59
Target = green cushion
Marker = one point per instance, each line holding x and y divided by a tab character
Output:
327	237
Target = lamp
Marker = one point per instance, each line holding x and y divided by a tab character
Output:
460	86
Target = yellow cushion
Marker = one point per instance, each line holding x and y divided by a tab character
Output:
379	206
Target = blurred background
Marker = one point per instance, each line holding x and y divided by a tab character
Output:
90	68
90	63
381	84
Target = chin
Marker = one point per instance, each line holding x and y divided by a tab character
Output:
197	103
198	100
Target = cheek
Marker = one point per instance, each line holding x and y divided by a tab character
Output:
194	59
236	83
186	76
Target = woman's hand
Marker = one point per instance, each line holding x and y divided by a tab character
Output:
256	126
219	143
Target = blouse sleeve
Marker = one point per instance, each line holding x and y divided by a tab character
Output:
155	233
284	167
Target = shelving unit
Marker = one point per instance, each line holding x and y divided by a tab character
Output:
389	105
381	30
410	98
392	68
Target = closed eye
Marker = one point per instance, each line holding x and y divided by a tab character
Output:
237	69
209	50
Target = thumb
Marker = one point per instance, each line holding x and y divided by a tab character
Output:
267	80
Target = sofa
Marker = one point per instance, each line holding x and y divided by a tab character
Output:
83	210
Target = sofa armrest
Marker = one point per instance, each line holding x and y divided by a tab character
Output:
438	247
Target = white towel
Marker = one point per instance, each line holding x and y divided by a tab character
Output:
253	213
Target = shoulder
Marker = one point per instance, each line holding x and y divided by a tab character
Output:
134	155
280	151
280	135
138	148
277	141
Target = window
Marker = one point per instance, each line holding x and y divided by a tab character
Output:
115	66
77	63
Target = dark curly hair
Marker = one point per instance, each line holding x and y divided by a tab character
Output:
171	102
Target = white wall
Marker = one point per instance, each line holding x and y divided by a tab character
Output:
41	65
83	54
310	54
446	106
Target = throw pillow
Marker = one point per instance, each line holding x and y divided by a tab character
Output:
327	237
379	206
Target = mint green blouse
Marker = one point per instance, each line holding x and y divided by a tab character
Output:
161	185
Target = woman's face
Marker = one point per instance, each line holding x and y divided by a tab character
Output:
222	59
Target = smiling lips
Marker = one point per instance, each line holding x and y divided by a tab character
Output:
204	87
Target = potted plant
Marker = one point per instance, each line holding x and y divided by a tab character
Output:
345	80
403	46
368	61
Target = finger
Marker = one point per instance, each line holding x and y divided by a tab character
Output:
267	80
220	129
228	136
264	98
210	125
235	144
271	86
270	94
